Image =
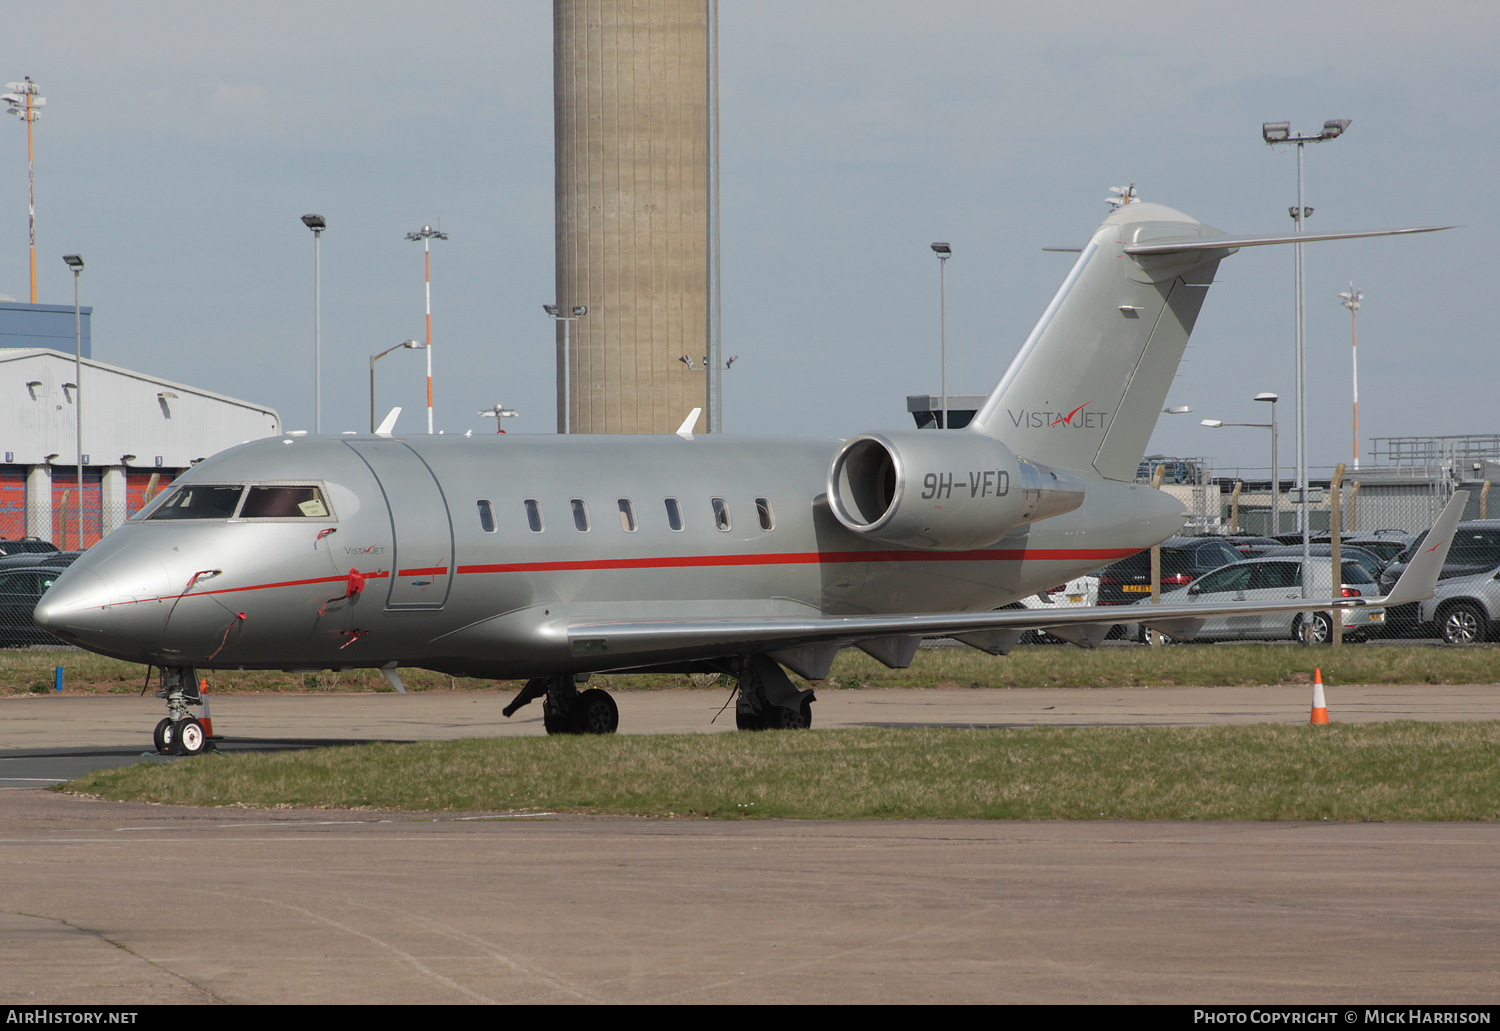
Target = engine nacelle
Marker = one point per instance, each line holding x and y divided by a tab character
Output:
946	490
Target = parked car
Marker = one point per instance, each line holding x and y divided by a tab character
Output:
1386	545
1475	550
1373	563
1249	545
1078	592
54	560
25	546
1277	579
1183	560
1464	609
21	587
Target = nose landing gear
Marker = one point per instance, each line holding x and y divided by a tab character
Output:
181	733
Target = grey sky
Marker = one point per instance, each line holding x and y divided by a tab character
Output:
181	142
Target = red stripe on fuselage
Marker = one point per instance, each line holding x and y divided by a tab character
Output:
791	558
798	558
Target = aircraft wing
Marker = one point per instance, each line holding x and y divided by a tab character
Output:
655	640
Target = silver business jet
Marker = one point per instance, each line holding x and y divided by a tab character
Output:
549	559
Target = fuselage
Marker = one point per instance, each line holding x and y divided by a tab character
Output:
467	554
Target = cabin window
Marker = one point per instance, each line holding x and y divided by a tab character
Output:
721	514
197	502
533	515
674	514
284	503
627	515
580	515
486	517
763	509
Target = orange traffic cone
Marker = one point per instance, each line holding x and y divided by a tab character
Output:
208	723
1320	707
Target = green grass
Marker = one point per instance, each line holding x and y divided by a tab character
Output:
1387	771
1037	666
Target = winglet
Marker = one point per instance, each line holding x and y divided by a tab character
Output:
1420	576
388	424
685	431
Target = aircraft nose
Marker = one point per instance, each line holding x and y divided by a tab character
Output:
76	608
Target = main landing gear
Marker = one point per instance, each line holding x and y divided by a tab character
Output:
568	710
768	700
180	733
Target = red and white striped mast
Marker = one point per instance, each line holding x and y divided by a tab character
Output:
427	234
24	98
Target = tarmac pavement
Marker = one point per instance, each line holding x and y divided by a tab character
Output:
134	904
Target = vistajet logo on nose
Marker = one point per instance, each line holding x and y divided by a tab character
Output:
1077	419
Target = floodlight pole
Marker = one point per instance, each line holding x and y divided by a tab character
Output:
75	263
943	252
1275	471
426	234
317	224
1275	133
565	415
1351	301
415	345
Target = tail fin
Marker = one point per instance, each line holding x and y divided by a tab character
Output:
1085	390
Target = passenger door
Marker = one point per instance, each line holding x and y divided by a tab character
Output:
422	532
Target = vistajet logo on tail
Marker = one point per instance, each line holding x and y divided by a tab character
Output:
1077	419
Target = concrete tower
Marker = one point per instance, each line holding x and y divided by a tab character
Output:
631	80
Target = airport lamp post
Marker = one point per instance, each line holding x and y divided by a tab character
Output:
24	99
1351	301
943	252
415	345
1275	471
427	234
75	263
317	224
565	416
1280	134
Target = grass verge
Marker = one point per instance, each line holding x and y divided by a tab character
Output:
1387	771
29	671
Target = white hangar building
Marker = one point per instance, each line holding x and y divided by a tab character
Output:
139	432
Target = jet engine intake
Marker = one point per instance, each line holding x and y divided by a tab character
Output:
949	491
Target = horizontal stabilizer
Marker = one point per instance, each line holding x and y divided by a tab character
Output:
1217	243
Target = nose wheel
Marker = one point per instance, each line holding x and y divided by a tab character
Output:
181	732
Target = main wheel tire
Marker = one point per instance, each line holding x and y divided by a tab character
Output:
1315	629
557	723
162	737
188	737
594	712
748	720
1464	623
783	718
